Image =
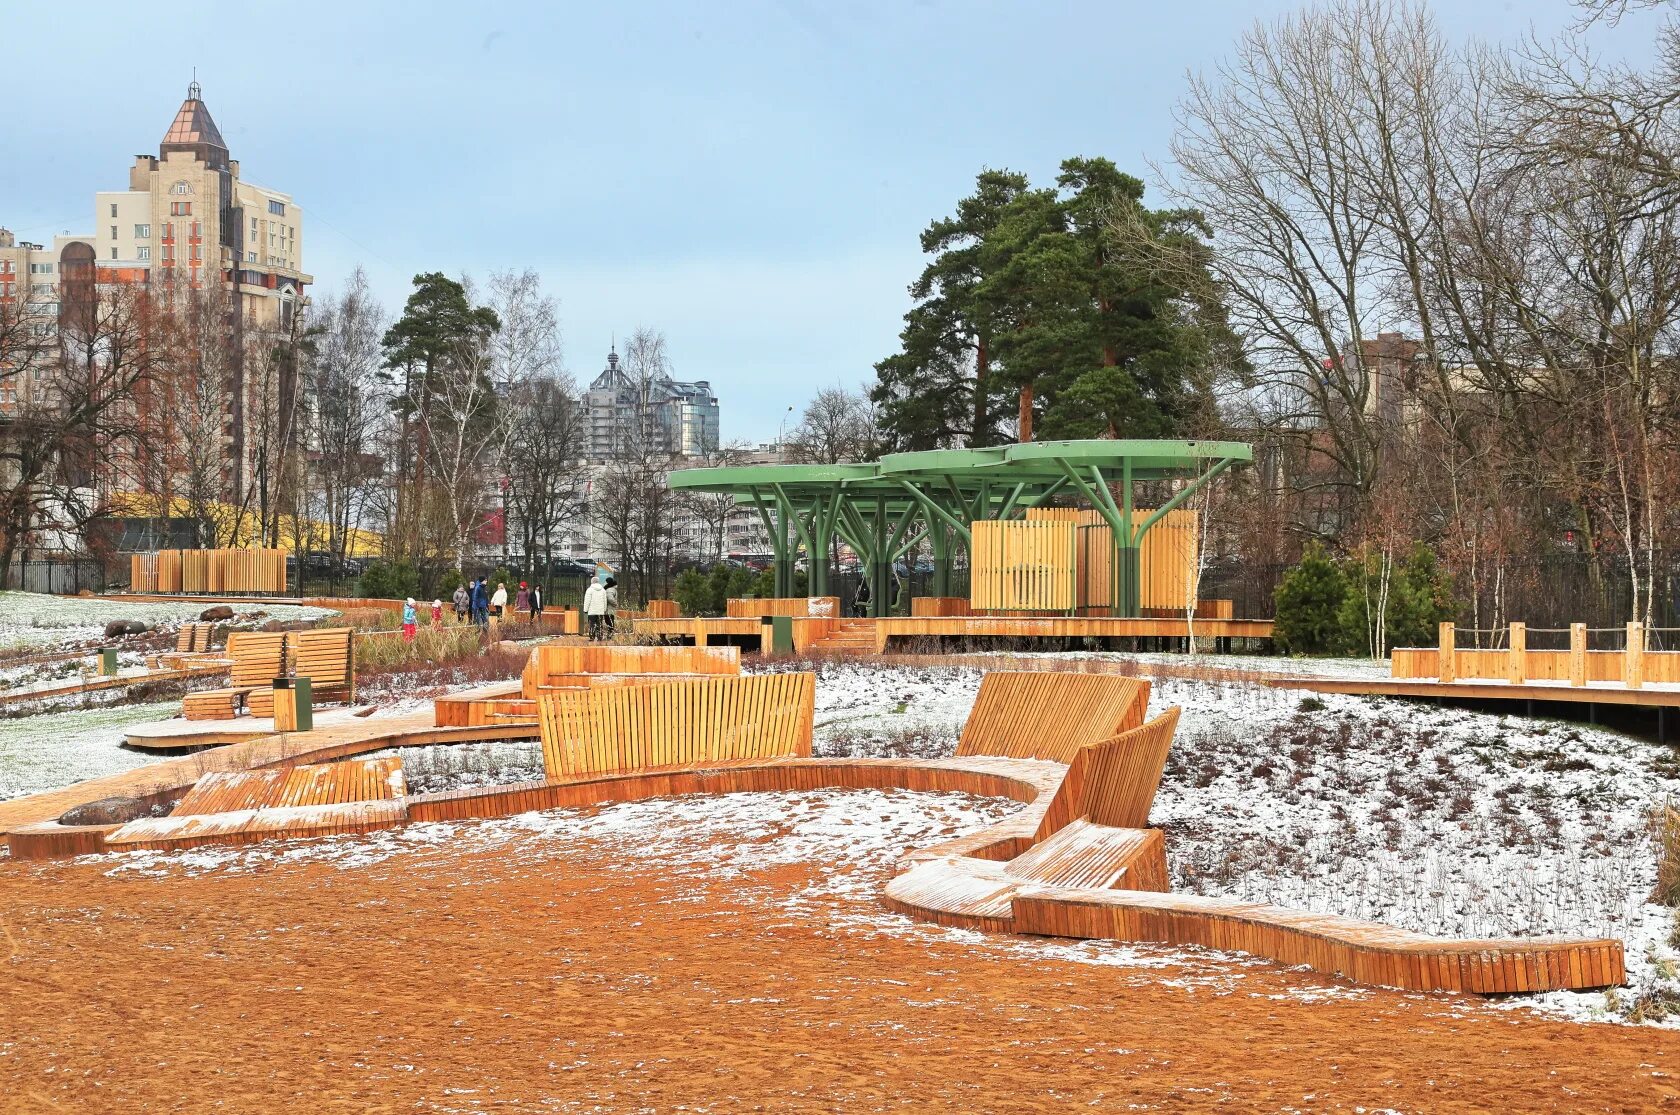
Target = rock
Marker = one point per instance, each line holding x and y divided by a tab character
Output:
86	592
105	811
119	627
216	612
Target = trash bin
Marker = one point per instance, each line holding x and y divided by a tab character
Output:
285	708
781	628
303	691
108	661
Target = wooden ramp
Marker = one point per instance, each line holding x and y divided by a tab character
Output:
613	730
243	807
1021	715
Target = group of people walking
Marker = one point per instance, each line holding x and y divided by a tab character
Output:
475	602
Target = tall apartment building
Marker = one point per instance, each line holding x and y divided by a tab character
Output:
187	221
679	418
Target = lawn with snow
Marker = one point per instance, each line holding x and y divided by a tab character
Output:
55	749
32	619
1437	820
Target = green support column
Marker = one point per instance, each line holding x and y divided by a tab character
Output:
940	537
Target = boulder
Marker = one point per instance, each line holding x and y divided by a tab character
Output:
216	612
119	627
105	811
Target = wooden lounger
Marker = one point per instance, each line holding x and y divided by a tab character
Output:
555	666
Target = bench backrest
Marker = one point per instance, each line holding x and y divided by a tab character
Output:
1114	782
618	729
258	657
317	784
326	656
1049	715
559	662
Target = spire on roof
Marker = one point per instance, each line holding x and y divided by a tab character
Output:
194	132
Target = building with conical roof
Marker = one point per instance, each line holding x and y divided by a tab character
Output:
186	223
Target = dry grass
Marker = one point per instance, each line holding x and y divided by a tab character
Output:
1665	826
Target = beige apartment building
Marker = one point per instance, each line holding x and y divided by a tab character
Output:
187	221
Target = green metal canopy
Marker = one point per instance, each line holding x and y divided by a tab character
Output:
884	509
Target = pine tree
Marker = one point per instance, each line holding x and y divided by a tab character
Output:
1309	603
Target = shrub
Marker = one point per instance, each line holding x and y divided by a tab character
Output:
1309	600
445	645
1419	598
390	580
693	593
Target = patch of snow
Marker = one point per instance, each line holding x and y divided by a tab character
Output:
55	749
33	619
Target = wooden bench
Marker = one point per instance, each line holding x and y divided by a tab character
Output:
193	638
559	666
1026	715
676	724
1093	834
242	807
327	657
258	658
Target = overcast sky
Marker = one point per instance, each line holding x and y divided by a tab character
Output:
749	178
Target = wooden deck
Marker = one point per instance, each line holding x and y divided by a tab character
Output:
812	630
97	684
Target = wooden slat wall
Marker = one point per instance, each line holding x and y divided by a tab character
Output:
796	606
259	569
663	609
1050	716
1023	566
1166	560
676	724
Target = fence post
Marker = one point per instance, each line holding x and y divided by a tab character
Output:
1516	657
1577	654
1633	658
1446	659
699	631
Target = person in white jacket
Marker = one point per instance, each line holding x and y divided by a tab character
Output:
595	607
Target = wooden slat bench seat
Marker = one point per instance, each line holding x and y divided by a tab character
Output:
616	729
1364	951
314	784
558	665
258	657
250	826
327	657
1025	715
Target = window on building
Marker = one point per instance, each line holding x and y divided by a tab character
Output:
169	253
180	209
113	232
142	232
250	257
143	252
278	208
169	230
113	253
113	209
197	229
182	187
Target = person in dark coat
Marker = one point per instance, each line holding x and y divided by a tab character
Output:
860	601
536	603
481	603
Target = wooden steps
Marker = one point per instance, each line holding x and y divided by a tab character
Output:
851	638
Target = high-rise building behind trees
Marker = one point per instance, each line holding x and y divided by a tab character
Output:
662	415
189	228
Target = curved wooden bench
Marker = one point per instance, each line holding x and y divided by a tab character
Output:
559	665
1367	952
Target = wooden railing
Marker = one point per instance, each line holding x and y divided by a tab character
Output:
1632	666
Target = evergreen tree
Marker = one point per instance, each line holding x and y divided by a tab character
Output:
938	390
1309	603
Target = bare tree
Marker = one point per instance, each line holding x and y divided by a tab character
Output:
837	425
344	406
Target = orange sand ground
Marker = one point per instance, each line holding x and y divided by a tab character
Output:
562	980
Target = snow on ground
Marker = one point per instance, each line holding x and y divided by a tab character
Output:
32	619
1437	820
55	749
1355	668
